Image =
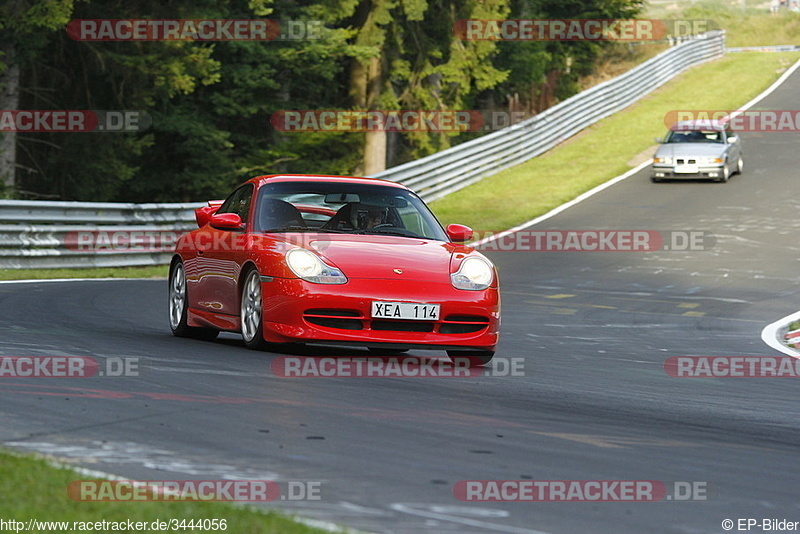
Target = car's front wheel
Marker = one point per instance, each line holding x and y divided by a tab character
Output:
252	312
178	306
473	358
740	165
726	174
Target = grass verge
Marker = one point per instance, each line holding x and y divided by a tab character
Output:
33	489
753	27
605	149
150	271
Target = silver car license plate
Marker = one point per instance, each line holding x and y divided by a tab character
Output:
686	169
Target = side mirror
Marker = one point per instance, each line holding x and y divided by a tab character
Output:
658	140
226	221
732	139
203	215
458	233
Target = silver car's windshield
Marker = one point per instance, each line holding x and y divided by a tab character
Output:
695	136
342	207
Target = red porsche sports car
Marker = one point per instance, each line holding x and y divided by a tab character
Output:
333	260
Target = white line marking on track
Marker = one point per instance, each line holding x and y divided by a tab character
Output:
562	207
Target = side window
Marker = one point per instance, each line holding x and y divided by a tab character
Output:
239	202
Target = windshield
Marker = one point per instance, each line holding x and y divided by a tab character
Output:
341	207
695	136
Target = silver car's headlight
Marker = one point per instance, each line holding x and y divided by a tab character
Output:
664	160
711	160
474	274
310	267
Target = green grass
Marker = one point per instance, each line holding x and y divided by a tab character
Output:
32	489
605	150
754	27
156	271
707	9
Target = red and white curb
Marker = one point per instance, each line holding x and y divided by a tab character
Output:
778	336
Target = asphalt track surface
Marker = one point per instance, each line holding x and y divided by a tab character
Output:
594	330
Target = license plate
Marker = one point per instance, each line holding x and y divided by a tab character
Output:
686	169
405	310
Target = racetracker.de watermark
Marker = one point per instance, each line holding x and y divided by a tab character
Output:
579	491
112	241
408	120
193	490
137	240
73	121
391	367
579	29
732	367
595	241
194	30
66	367
751	120
128	240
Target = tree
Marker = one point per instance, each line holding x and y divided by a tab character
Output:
407	56
23	26
548	71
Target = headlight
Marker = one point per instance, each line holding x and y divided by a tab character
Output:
708	160
310	267
666	160
474	274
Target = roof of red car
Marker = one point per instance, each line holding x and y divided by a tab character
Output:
259	180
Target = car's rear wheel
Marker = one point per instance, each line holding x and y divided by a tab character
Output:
473	358
252	312
178	306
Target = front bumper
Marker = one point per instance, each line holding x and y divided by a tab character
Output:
300	311
704	172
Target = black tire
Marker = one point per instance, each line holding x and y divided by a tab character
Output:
655	180
474	358
178	305
251	312
726	175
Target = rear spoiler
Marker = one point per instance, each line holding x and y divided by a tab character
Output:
203	215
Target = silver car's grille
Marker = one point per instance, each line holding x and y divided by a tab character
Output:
682	161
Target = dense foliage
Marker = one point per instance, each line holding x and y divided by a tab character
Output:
211	102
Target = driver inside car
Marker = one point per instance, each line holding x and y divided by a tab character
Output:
367	217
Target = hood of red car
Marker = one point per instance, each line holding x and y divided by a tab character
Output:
386	257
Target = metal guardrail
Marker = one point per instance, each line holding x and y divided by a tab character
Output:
440	174
775	48
49	234
34	234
